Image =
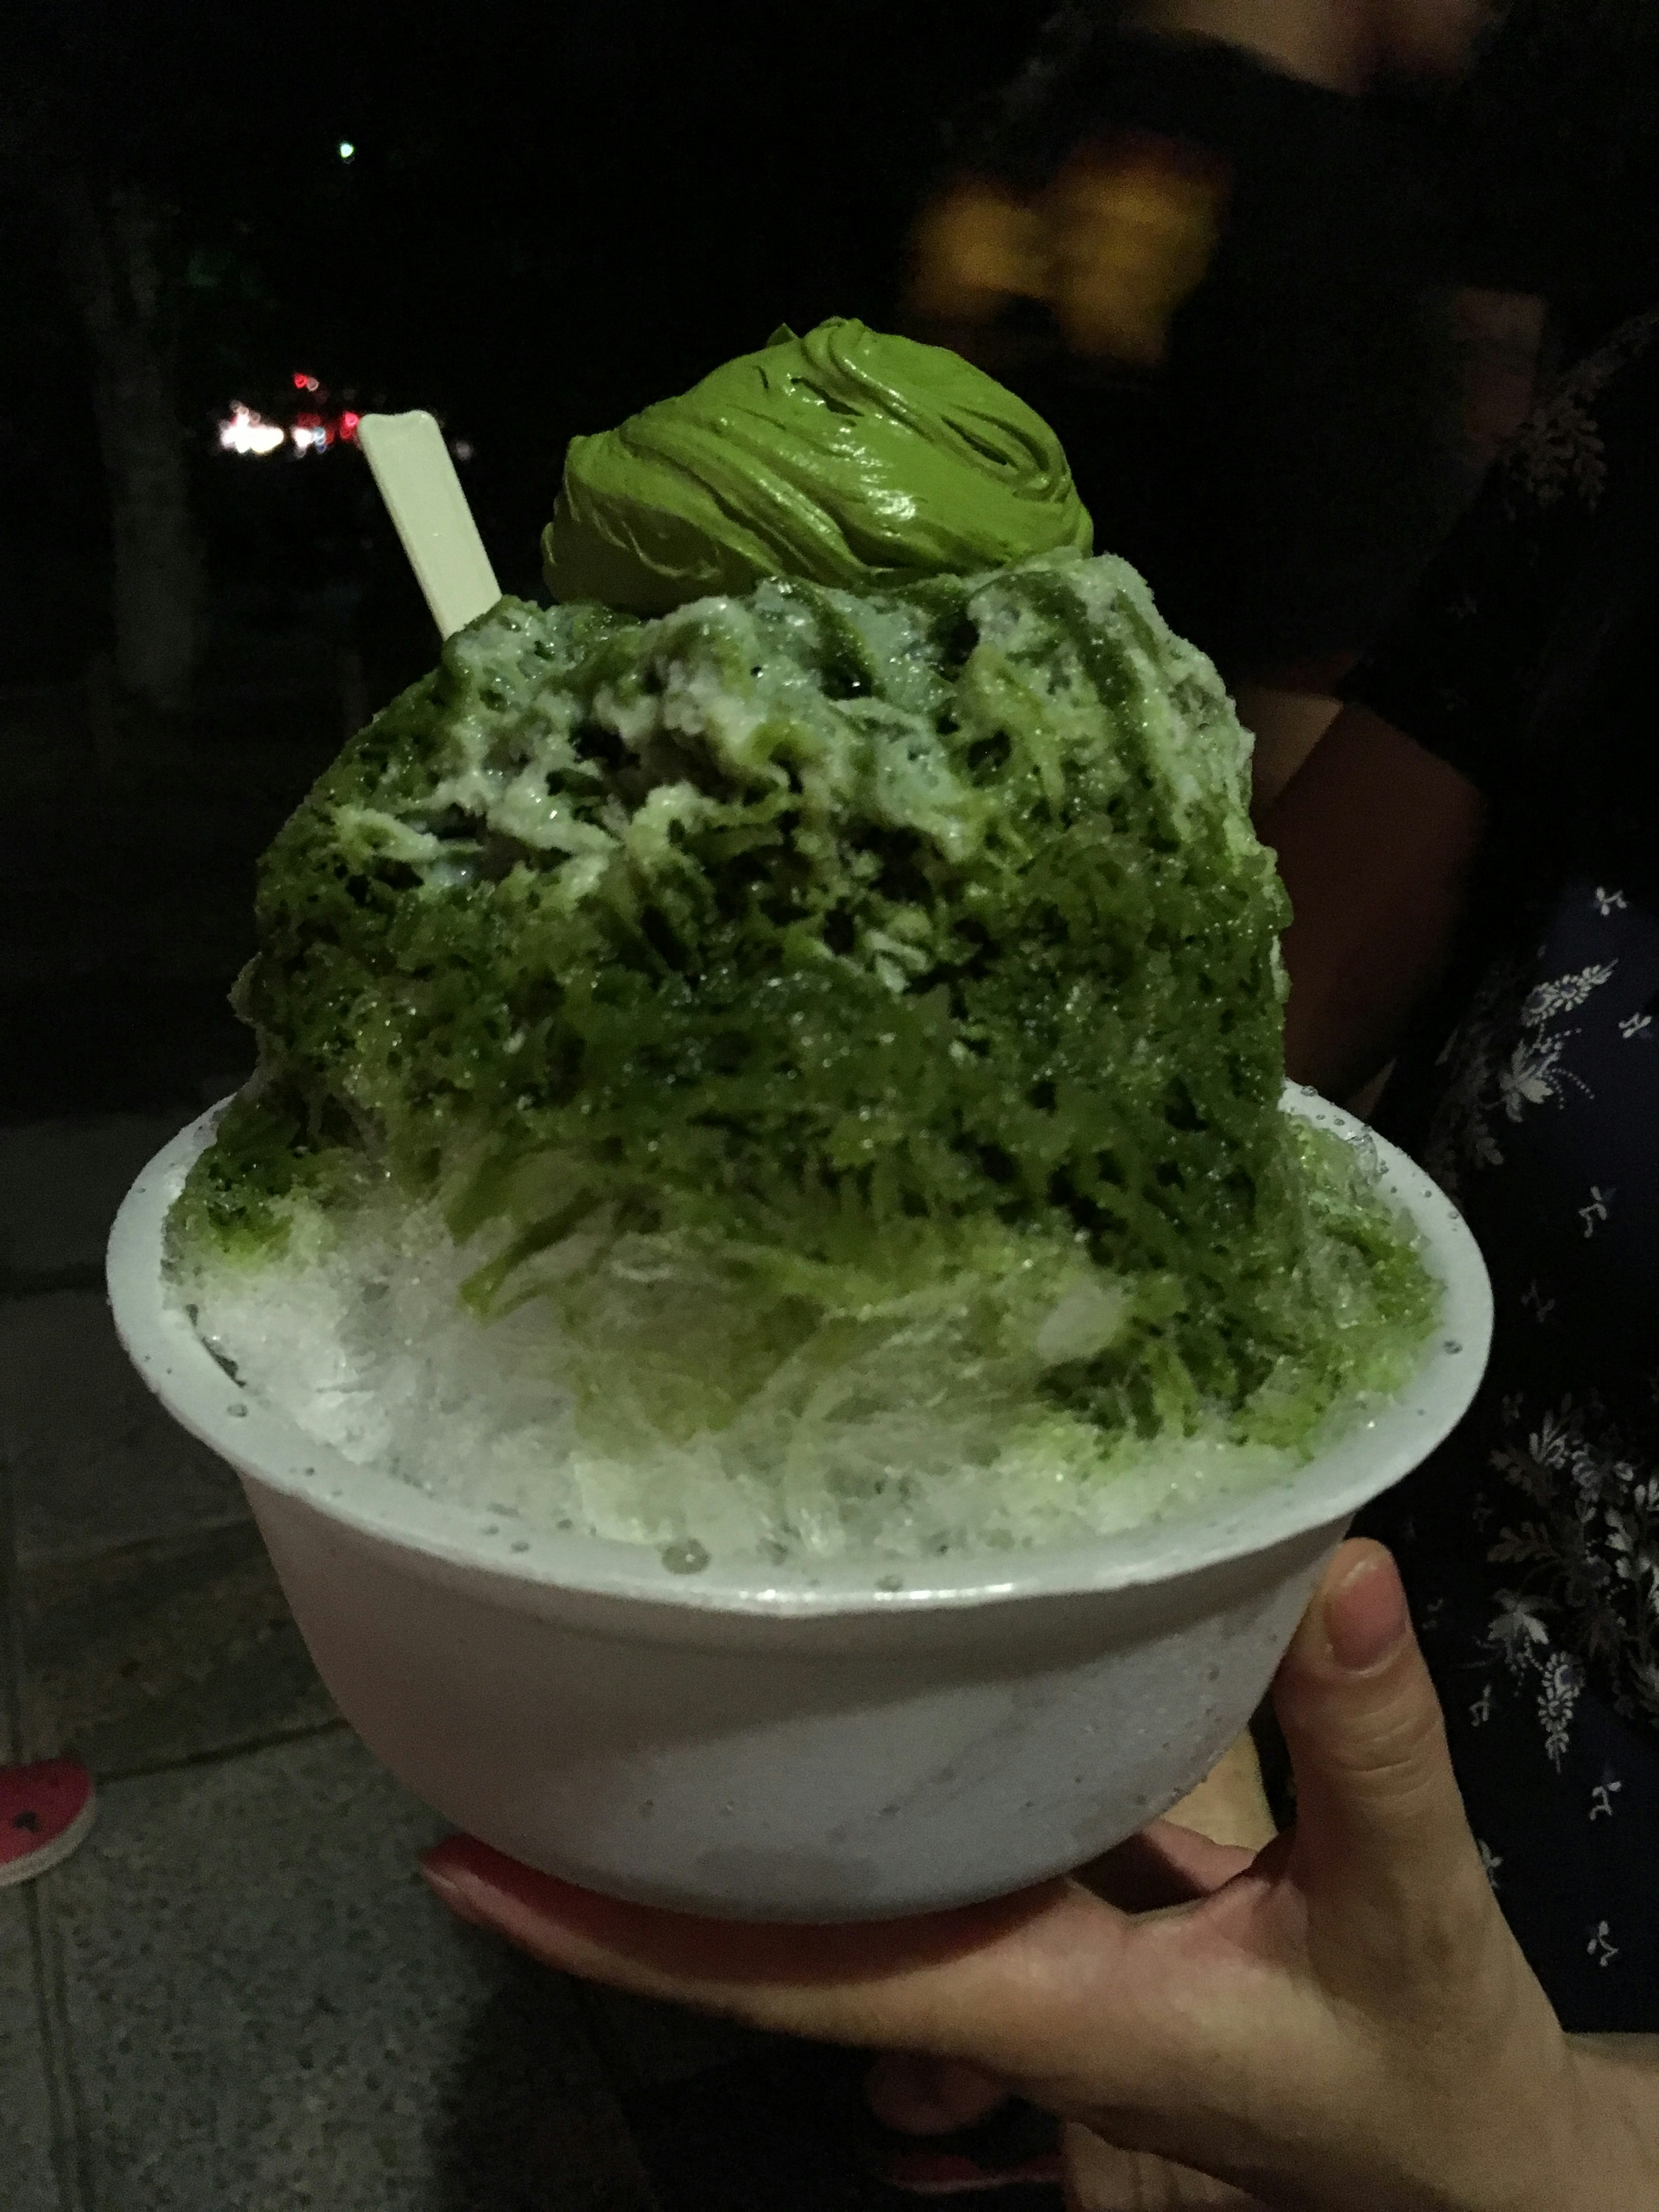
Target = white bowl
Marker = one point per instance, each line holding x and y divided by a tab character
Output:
817	1745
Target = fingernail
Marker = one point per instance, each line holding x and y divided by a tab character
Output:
450	1893
1366	1615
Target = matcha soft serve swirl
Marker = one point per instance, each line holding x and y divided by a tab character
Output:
846	457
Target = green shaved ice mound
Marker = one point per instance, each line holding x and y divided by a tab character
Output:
822	1005
846	457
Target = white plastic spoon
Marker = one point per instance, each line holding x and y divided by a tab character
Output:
417	479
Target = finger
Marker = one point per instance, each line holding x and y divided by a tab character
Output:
1001	1986
1165	1864
919	2096
1378	1808
1100	2177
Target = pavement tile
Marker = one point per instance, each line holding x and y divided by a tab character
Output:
646	2043
10	1639
94	1460
779	2130
267	2011
26	2128
525	2129
61	1183
160	1652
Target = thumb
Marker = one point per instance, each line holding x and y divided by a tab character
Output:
1378	1812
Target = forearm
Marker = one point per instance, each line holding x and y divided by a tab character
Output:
1286	725
1618	2091
1639	2051
1375	838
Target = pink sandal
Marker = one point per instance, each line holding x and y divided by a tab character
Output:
45	1811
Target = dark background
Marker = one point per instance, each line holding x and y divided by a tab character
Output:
552	215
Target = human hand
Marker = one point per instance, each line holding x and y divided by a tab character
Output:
1229	1807
1100	2177
923	2099
1333	2023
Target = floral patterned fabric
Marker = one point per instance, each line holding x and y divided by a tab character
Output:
1530	1543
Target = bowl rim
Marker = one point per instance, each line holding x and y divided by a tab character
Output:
265	1448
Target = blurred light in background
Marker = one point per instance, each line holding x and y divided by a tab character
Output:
347	151
242	431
